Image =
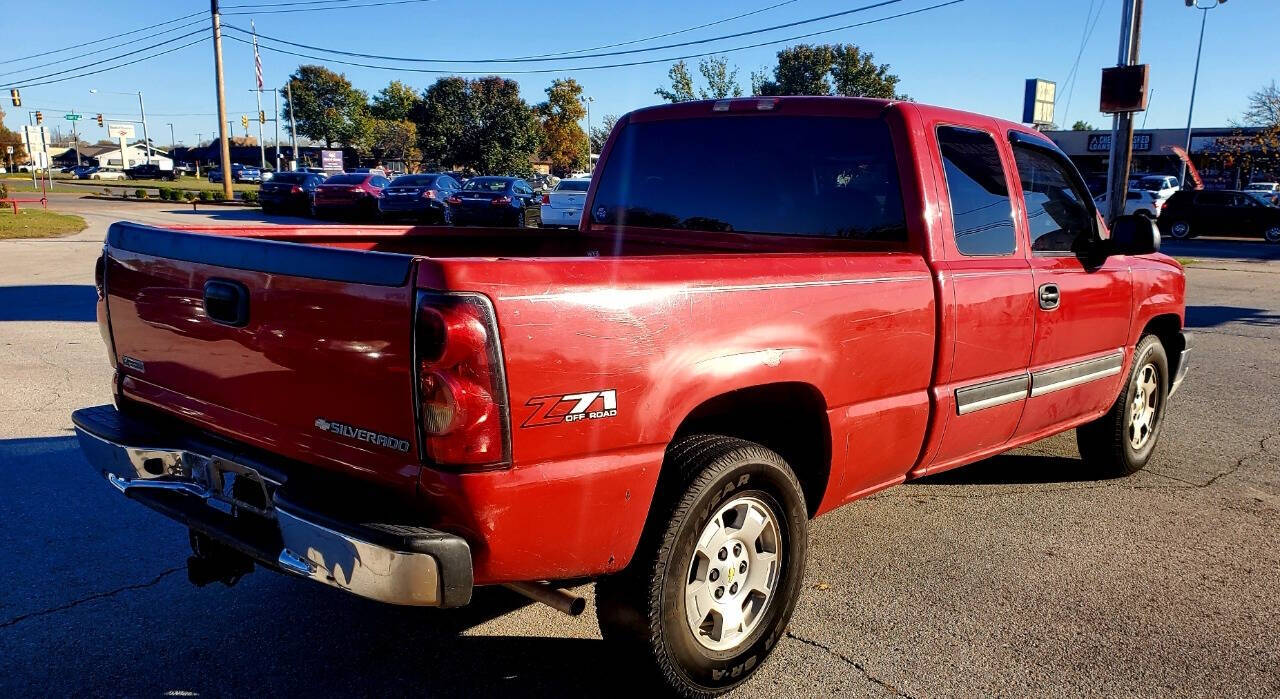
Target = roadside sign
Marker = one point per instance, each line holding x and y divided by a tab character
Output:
72	117
331	160
121	130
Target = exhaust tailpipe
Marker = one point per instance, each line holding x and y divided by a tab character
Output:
553	597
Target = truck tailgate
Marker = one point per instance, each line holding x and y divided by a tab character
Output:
301	350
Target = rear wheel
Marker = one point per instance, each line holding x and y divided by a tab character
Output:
1121	441
1272	234
717	574
1180	230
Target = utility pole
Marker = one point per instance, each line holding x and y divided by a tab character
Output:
262	145
275	97
1122	123
222	100
293	128
75	139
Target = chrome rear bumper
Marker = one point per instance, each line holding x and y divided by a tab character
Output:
248	509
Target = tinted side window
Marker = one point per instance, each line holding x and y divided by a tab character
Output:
980	210
1058	215
777	174
1213	199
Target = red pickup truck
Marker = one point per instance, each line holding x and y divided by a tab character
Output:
771	308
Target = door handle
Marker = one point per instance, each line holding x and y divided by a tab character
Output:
1049	297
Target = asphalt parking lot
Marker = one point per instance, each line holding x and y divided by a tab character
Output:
1022	575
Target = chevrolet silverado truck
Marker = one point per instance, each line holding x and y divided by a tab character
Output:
771	308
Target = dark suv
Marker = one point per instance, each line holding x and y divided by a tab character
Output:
149	171
1193	212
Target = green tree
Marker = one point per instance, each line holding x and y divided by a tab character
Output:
681	84
854	73
326	106
391	139
564	142
827	69
801	70
442	117
505	134
722	81
395	102
1082	125
600	132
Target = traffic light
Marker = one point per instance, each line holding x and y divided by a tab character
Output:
262	117
16	96
244	121
39	118
99	120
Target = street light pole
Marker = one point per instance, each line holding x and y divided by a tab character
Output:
293	127
172	141
1195	78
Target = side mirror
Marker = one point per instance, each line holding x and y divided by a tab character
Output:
1134	235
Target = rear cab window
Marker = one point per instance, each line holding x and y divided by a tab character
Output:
818	176
487	184
573	186
981	213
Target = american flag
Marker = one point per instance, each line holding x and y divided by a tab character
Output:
257	58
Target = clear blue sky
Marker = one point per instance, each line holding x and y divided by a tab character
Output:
974	55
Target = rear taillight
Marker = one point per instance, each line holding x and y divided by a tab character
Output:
546	198
462	392
428	194
295	189
453	200
500	201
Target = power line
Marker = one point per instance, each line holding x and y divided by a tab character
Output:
83	44
102	50
1073	76
694	42
121	65
284	4
335	7
123	55
597	67
661	36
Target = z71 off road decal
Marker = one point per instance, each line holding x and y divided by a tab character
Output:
571	407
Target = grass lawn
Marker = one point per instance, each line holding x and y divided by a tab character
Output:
23	184
37	223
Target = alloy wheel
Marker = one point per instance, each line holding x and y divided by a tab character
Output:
1145	407
733	573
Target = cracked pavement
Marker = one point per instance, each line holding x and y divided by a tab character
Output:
1022	575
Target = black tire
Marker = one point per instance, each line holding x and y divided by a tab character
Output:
643	608
1271	234
1107	444
1181	230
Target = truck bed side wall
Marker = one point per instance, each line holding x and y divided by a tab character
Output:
666	336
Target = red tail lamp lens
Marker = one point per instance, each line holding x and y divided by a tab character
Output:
461	388
500	201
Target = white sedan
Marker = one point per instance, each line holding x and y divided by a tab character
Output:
1138	201
562	206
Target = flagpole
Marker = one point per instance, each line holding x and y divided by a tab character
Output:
257	67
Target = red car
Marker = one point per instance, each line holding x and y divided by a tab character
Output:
352	195
772	308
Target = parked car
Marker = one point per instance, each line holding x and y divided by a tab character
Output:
1262	187
349	195
368	171
1141	202
105	172
562	206
149	171
757	325
239	173
1163	185
289	191
496	201
423	197
1193	212
80	170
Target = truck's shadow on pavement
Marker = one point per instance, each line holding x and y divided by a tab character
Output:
1213	316
69	302
1014	469
100	606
